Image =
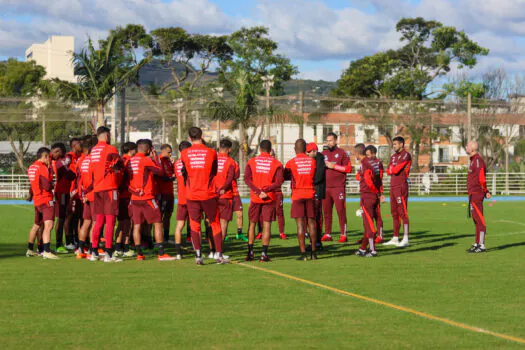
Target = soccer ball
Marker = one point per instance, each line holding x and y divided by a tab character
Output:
359	212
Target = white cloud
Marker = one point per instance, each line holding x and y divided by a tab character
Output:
304	29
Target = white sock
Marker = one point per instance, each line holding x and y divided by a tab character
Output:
482	238
381	232
405	232
371	243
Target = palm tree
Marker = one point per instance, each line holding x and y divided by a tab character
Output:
241	110
102	73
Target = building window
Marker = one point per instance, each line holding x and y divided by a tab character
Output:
327	129
444	155
369	135
440	169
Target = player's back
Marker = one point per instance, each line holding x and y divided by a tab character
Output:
142	186
263	169
103	158
302	170
224	164
200	166
35	172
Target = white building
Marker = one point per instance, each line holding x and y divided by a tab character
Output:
55	56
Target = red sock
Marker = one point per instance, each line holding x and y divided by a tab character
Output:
110	229
100	219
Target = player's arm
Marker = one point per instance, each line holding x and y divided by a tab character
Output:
483	180
369	180
248	180
214	167
229	180
396	170
345	166
115	163
237	174
278	179
288	172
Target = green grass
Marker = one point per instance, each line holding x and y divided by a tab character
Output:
79	304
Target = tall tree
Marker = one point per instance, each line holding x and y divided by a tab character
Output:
428	52
254	57
18	82
102	73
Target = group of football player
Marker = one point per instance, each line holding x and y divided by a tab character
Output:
92	187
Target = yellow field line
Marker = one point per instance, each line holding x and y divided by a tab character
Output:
389	305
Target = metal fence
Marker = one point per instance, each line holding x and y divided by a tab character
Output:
421	184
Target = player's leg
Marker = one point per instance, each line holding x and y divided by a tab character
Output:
136	239
46	238
68	224
84	230
379	224
369	207
300	237
340	207
253	216
479	220
394	199
279	211
328	204
31	240
267	214
178	237
211	209
312	228
60	213
403	213
195	215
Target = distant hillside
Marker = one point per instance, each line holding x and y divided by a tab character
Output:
158	73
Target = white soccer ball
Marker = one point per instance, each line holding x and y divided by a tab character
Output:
359	212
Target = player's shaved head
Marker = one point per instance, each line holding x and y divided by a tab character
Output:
300	146
266	146
472	147
360	149
143	145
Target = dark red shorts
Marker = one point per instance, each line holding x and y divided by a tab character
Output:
61	205
303	208
208	207
182	212
124	209
226	209
88	211
167	203
399	201
74	206
106	202
146	211
258	211
44	212
237	203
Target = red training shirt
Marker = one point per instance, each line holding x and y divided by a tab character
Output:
199	169
336	178
225	175
301	171
181	187
105	167
476	179
41	180
141	170
165	183
263	174
399	168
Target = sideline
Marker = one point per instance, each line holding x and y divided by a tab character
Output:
389	305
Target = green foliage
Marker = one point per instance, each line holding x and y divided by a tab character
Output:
20	78
254	53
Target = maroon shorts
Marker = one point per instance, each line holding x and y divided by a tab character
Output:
61	205
147	210
399	201
44	212
264	211
209	207
123	209
182	212
237	203
88	211
226	209
106	202
74	206
303	208
167	203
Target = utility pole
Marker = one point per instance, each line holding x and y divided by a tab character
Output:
122	116
268	84
43	129
301	117
469	117
128	126
282	142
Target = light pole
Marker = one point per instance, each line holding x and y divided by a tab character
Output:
268	84
220	94
179	103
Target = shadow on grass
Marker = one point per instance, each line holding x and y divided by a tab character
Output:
422	249
505	246
12	251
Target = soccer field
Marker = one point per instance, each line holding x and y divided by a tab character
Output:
429	295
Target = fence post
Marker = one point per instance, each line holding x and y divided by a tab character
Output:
457	185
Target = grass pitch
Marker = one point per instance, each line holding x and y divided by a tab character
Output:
80	304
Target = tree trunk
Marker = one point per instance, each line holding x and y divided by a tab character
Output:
415	156
18	154
100	114
242	153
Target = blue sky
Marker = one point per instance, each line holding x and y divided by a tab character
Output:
321	37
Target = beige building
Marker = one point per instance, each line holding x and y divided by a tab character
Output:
55	56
